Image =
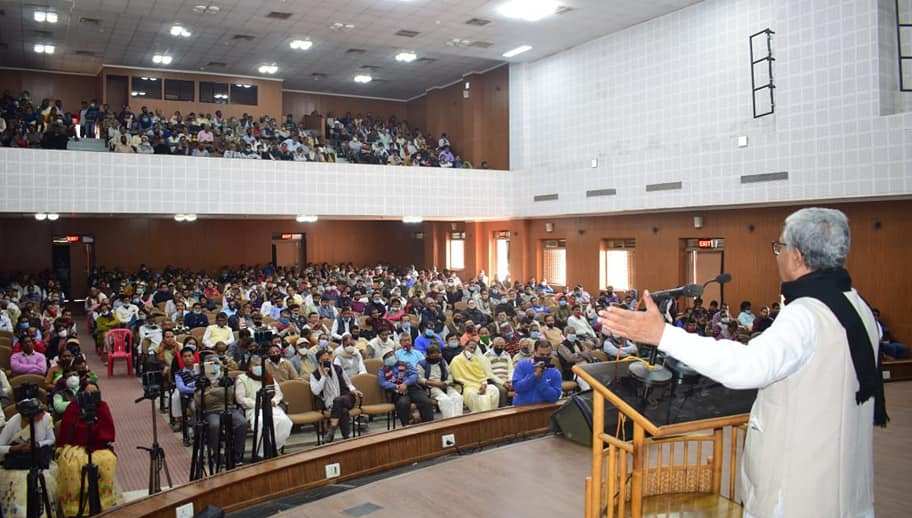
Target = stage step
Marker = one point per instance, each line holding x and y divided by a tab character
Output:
689	505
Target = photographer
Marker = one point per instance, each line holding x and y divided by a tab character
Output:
217	400
535	380
15	448
245	391
77	437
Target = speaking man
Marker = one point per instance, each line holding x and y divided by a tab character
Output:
809	440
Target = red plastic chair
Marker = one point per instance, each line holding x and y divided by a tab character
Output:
121	341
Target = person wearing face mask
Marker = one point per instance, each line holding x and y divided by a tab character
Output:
580	324
376	303
552	333
63	363
196	318
502	366
104	322
433	374
216	403
182	398
343	324
359	341
395	312
474	314
451	350
73	444
428	337
279	367
474	373
218	332
746	317
332	385
511	338
400	380
617	347
126	312
525	350
573	351
349	357
246	387
535	380
153	333
407	353
66	394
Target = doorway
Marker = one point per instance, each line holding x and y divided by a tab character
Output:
117	92
289	250
73	260
704	259
502	255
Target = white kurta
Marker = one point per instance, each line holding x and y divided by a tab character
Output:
809	445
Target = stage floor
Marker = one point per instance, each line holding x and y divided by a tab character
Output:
541	477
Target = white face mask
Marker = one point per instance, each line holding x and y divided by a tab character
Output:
468	354
350	350
257	370
72	382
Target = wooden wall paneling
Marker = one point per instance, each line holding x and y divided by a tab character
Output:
69	88
206	244
302	103
269	94
359	457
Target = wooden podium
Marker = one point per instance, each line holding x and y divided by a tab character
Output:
666	455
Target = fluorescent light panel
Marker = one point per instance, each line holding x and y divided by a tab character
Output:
528	10
517	51
363	78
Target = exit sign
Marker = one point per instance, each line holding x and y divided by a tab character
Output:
708	243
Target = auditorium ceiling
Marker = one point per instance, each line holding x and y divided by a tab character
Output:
349	37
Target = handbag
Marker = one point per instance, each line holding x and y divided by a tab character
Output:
23	460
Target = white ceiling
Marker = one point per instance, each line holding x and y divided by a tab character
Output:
131	31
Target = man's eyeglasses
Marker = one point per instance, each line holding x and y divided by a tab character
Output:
778	246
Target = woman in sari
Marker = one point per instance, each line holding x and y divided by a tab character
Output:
15	442
72	454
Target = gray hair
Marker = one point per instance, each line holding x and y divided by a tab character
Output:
821	235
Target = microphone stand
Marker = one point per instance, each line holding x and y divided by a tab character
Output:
36	485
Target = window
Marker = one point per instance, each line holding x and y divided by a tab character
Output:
242	93
502	255
616	264
213	92
146	88
554	262
178	90
455	252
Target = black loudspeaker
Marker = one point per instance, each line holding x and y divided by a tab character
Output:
573	420
210	511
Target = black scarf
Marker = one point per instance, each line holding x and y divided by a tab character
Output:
829	286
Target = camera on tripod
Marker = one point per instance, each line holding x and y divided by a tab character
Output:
152	381
88	405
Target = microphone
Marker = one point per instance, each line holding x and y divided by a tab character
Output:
688	290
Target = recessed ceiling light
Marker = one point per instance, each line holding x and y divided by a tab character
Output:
178	30
53	216
162	59
528	10
339	26
517	51
412	219
268	69
303	218
301	44
45	16
44	49
363	78
406	57
41	216
185	217
206	9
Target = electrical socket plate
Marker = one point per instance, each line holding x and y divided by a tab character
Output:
333	470
448	440
886	375
594	163
184	511
742	141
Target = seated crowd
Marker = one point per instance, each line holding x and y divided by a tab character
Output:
357	139
47	385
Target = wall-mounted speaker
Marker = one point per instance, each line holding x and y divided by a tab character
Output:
878	225
549	227
698	221
452	226
751	227
655	230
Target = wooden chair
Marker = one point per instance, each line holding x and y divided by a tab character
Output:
6	334
198	332
6	341
23	379
460	306
5	353
374	402
567	387
373	366
301	410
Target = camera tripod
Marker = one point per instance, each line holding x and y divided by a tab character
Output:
37	492
202	455
88	485
157	460
264	441
225	435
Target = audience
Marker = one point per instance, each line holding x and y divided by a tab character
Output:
434	375
535	380
334	388
400	380
473	372
245	392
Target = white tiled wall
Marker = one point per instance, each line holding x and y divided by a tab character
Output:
85	182
665	101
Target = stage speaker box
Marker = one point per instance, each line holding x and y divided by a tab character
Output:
573	419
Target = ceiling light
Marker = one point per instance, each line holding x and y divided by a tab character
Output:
528	10
40	16
306	219
206	9
190	217
339	26
44	49
412	219
180	31
301	44
41	216
161	59
53	216
363	78
179	217
406	57
268	69
517	51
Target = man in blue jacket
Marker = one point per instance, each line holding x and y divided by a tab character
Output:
400	379
535	380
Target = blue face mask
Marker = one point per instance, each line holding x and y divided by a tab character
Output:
429	333
535	335
390	361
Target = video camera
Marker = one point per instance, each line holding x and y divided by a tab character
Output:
88	405
28	404
152	381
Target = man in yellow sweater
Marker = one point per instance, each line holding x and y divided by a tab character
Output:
474	373
218	332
